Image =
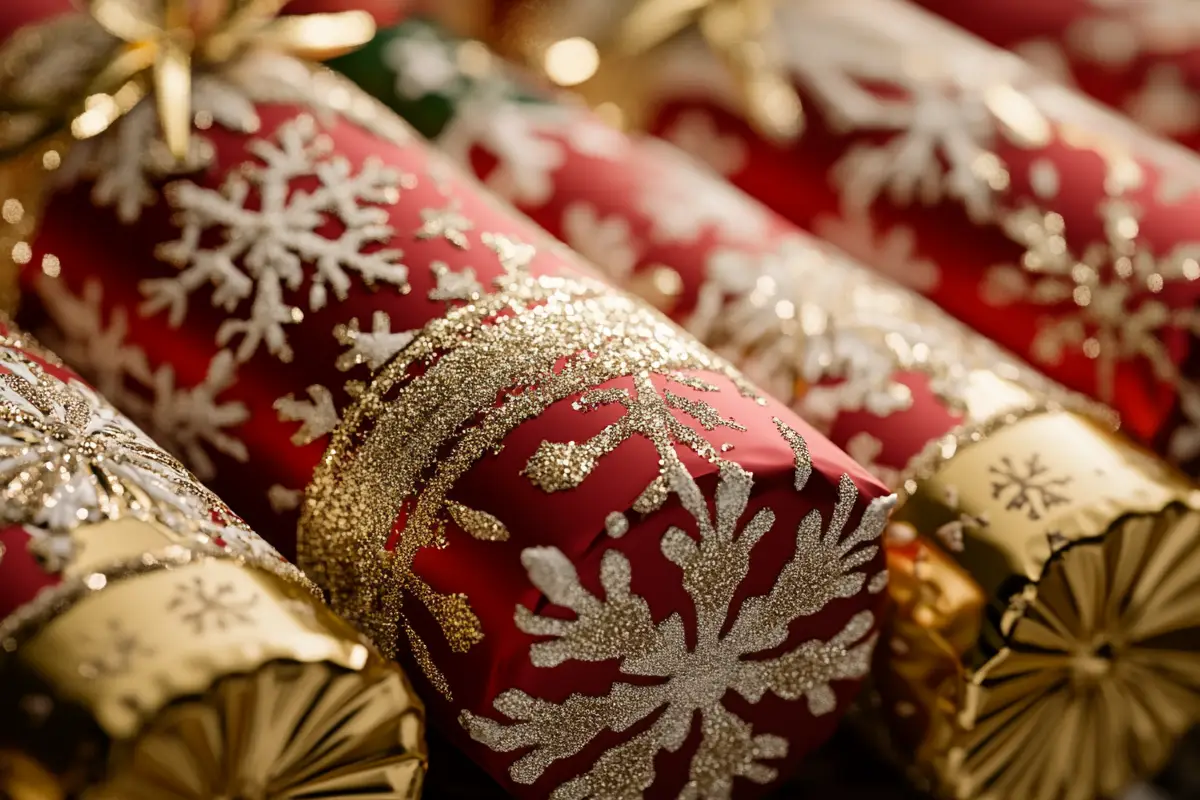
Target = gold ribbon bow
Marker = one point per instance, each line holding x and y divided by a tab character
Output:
161	42
156	45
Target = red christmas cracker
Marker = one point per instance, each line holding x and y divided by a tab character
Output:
589	533
135	606
1025	507
1050	225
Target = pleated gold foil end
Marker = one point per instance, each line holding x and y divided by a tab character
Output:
189	675
1045	639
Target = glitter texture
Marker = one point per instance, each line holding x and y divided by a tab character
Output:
67	458
432	413
616	525
691	681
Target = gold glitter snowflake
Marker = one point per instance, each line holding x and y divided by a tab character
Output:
1112	286
695	680
430	414
564	465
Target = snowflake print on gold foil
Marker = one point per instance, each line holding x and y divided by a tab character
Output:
690	681
268	241
204	606
1028	487
1111	284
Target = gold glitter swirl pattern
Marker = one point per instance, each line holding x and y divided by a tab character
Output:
432	413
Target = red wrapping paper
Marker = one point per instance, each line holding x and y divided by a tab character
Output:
414	258
1142	58
1055	228
942	415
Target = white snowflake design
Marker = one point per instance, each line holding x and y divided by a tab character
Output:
1118	31
690	681
865	449
946	119
604	241
1103	297
374	347
424	63
68	458
529	140
1115	33
685	198
695	132
128	159
268	240
1166	103
318	416
892	252
190	421
789	316
945	133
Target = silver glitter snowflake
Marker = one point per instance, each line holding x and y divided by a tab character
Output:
682	682
1104	296
67	458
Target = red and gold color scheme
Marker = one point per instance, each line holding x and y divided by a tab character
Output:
618	568
1044	628
1051	225
136	610
1139	56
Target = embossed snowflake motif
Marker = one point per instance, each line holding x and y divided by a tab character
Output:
1028	487
695	680
115	652
270	233
1104	297
203	606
